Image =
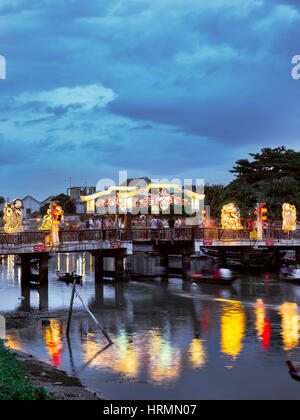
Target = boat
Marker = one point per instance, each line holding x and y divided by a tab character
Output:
69	277
293	371
159	272
221	276
34	262
291	276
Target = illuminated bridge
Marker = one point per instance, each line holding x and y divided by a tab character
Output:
119	243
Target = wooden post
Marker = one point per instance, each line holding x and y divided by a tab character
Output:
71	307
94	319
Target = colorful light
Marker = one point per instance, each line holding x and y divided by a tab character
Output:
230	217
289	217
13	217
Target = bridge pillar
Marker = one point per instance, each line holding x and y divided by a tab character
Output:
119	294
297	255
25	296
222	257
25	268
119	268
99	293
43	269
275	261
186	264
245	259
98	266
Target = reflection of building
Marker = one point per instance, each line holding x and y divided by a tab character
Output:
140	196
75	193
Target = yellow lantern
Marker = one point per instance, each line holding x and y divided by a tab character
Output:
289	217
230	217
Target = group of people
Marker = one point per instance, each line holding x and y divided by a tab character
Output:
98	223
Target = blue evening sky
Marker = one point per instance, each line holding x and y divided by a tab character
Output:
160	88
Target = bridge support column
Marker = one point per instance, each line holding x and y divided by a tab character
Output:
119	294
119	268
25	269
297	255
222	257
43	269
99	293
25	293
98	267
245	259
186	264
275	261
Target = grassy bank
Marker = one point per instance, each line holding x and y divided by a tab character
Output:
15	383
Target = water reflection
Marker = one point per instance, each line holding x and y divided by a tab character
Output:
232	328
197	353
165	334
290	324
52	335
262	324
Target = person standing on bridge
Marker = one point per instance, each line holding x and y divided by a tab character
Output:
171	224
154	227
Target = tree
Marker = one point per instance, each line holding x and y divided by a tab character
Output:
271	177
2	199
213	198
64	201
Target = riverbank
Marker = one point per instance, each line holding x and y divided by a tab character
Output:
15	384
22	376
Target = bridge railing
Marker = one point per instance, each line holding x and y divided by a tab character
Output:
214	233
146	234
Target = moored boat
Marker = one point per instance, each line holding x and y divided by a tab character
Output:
222	276
69	277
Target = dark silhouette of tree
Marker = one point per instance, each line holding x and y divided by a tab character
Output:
272	176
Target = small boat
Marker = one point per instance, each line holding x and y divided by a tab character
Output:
290	277
223	276
293	371
69	277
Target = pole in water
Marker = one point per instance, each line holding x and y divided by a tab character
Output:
94	319
71	307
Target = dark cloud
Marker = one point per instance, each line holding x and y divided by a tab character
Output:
197	84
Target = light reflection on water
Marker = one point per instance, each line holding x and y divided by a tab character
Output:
171	340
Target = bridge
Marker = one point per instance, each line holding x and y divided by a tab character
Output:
120	242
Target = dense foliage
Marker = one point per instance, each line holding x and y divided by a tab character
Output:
14	381
64	201
271	176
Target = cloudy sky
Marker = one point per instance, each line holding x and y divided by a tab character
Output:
160	88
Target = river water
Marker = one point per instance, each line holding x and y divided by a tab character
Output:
172	339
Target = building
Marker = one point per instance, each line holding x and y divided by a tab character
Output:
31	205
141	196
75	194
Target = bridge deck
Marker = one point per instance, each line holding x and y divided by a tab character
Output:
92	240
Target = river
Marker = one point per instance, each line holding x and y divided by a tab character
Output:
172	339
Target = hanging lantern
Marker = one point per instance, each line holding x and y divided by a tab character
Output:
264	218
264	210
